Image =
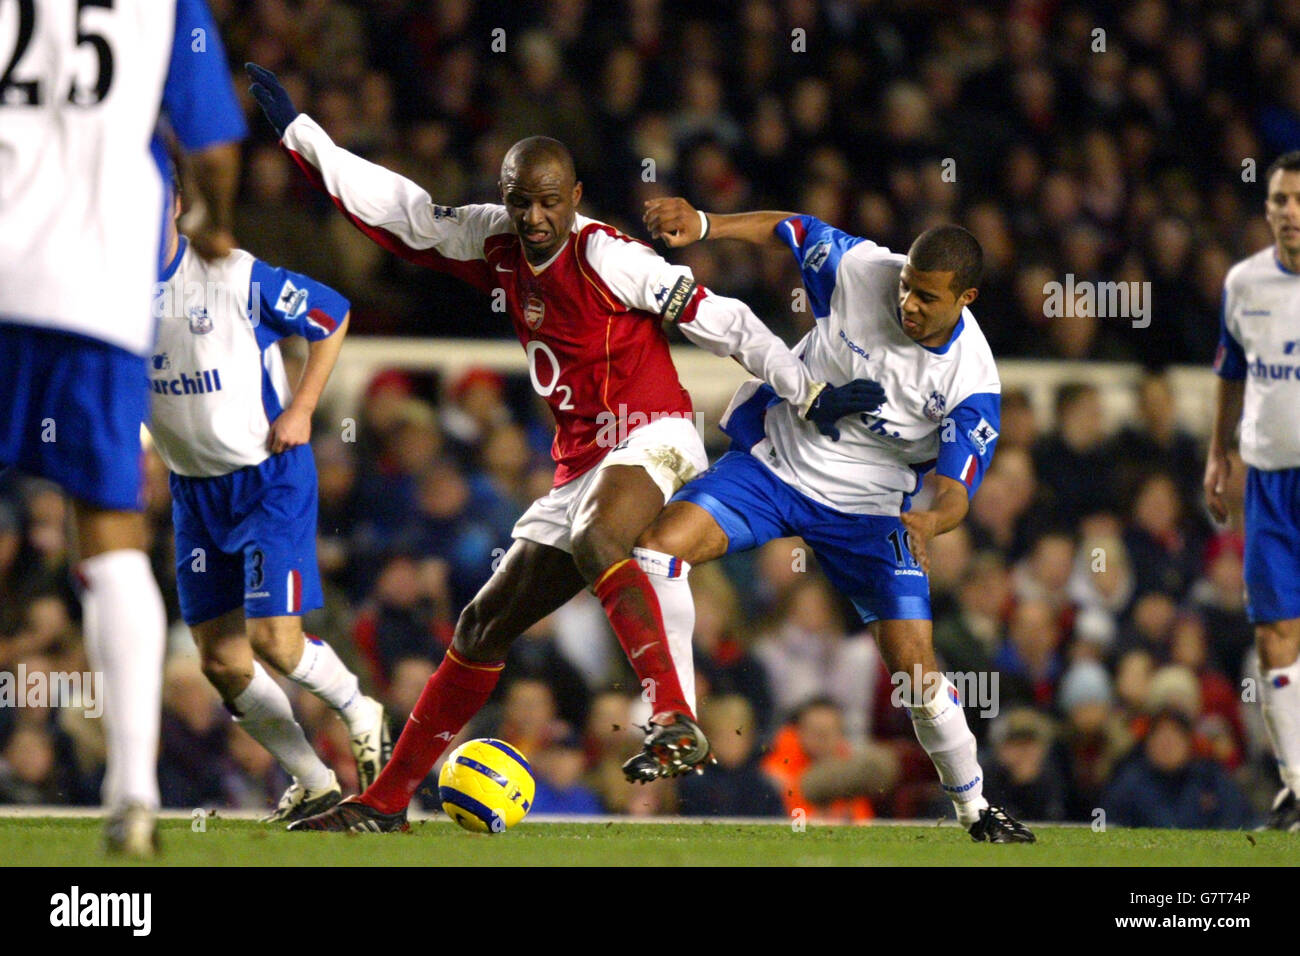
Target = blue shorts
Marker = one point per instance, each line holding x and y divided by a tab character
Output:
248	538
865	557
70	411
1272	568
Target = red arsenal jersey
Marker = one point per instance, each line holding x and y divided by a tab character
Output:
589	319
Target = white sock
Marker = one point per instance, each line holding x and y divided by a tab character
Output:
264	711
125	628
940	726
678	610
1280	702
320	671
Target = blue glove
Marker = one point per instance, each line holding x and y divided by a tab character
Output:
835	401
268	92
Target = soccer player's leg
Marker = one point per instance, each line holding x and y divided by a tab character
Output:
278	539
73	409
260	706
534	580
867	558
627	492
734	506
1272	575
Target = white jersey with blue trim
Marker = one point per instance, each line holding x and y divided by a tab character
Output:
1259	341
216	379
81	190
942	405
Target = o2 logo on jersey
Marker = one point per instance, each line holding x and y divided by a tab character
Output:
934	407
982	435
534	311
200	321
817	256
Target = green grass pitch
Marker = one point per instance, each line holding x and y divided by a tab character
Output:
47	841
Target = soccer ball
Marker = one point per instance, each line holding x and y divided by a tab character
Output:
486	786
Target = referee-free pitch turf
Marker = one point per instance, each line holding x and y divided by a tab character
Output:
49	841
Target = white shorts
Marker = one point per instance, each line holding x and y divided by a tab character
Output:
669	449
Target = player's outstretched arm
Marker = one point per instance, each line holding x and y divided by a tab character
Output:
293	426
393	211
1229	398
678	223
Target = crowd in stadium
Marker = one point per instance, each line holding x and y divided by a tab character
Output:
1087	579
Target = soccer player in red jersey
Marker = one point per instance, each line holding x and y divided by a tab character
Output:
587	303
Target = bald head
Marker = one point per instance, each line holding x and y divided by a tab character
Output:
541	194
533	154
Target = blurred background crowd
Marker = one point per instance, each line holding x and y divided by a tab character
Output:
1087	587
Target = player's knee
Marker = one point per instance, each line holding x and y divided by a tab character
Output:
595	549
227	675
479	637
277	640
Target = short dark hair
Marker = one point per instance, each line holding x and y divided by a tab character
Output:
949	249
1288	161
533	150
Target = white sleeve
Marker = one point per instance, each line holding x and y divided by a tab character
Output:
638	276
390	208
642	279
727	326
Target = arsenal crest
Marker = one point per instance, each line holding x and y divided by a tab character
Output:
534	310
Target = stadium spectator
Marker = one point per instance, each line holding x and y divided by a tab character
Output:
807	654
1024	767
1168	786
1094	737
558	770
820	772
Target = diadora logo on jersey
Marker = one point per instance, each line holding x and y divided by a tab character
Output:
161	362
1288	348
200	383
982	435
934	407
817	256
444	212
200	321
853	346
292	300
534	311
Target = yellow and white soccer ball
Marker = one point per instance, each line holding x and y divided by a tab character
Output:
486	786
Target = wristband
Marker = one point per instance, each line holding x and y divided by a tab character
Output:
704	224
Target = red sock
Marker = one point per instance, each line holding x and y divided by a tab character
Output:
633	611
456	692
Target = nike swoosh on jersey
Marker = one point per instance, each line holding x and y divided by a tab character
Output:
642	649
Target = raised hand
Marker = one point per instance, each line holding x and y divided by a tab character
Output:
268	92
674	220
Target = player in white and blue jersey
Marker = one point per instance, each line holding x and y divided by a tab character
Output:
81	224
244	499
900	321
1258	364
